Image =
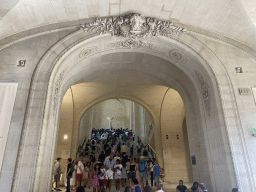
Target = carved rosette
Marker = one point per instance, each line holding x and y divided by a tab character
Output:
205	92
131	43
133	26
176	55
88	51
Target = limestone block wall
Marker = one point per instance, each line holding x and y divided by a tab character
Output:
232	57
30	50
175	155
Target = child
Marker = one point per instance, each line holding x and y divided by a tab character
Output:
118	174
136	187
86	174
102	177
95	182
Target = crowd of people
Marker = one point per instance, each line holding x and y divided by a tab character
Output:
108	157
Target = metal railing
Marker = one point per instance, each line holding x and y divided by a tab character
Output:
151	151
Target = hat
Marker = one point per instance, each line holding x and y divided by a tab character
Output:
142	157
58	158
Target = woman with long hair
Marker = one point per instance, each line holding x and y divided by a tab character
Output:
132	167
73	179
124	174
95	182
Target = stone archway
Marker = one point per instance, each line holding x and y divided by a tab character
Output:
205	77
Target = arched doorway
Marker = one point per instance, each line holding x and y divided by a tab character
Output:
199	82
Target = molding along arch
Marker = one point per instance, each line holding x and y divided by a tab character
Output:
178	61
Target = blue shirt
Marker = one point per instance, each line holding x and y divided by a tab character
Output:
110	163
157	170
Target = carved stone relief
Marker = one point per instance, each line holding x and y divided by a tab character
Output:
57	91
133	26
130	43
176	55
204	87
88	51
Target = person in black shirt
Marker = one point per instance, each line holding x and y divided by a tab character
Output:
181	187
102	156
92	157
69	173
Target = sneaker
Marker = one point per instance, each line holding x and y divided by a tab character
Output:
58	190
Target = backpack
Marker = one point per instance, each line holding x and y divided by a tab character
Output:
137	189
142	166
72	168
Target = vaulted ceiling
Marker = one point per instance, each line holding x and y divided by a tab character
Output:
235	19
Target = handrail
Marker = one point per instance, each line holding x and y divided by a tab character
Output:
151	150
79	147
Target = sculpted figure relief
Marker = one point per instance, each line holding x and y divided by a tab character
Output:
132	26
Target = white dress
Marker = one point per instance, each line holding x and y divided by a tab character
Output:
73	179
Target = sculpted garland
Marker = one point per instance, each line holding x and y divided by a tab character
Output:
132	26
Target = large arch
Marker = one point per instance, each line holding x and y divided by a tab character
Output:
203	84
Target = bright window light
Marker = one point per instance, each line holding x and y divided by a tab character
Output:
65	136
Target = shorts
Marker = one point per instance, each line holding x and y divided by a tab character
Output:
157	179
79	177
143	177
57	176
100	182
132	175
109	175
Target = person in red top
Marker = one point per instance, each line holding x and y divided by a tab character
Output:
128	138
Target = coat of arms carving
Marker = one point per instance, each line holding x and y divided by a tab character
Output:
132	26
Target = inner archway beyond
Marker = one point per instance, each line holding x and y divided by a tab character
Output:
167	63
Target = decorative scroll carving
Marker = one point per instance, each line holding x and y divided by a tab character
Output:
132	26
131	43
57	91
204	87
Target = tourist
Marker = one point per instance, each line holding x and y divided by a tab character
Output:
86	174
125	138
70	170
95	182
73	179
109	164
57	174
132	167
123	174
156	170
102	156
136	187
92	157
143	167
195	188
102	176
118	174
151	166
124	148
80	169
181	187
